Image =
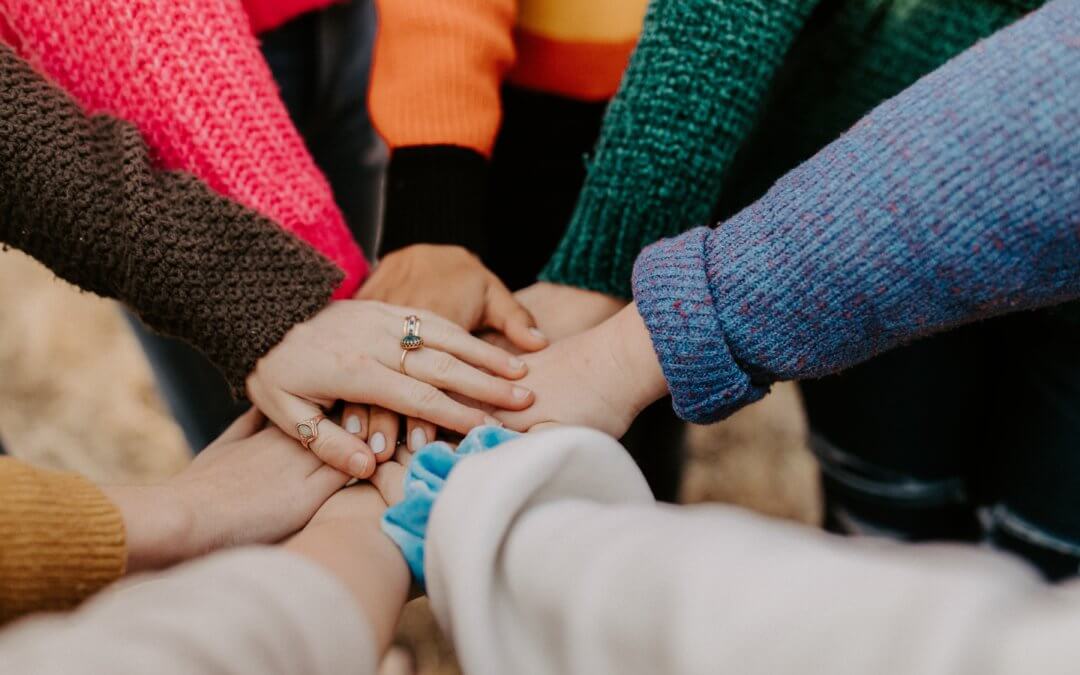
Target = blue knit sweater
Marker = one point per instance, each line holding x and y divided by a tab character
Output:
955	201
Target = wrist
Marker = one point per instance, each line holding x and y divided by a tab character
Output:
639	377
356	552
158	525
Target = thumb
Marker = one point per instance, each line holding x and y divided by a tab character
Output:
505	314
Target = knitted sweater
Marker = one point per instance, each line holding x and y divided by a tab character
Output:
189	75
955	201
79	194
680	135
61	539
438	70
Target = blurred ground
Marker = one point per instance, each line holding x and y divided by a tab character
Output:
76	393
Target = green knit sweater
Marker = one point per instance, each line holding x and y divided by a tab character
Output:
723	96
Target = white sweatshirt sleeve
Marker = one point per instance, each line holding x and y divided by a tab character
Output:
256	610
548	555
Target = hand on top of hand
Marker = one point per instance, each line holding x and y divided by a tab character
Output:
601	378
453	283
253	485
351	351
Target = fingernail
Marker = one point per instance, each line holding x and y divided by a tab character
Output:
358	464
521	393
492	422
538	333
378	443
516	363
417	439
352	424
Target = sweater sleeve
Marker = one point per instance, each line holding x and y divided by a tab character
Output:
254	610
437	70
688	99
189	75
79	194
548	555
61	539
955	201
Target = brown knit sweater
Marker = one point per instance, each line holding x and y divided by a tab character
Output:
61	539
81	195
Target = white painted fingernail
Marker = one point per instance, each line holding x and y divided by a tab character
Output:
418	439
352	424
378	443
516	363
358	464
492	422
538	333
521	393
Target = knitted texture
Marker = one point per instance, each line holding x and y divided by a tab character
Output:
689	96
189	75
851	57
955	201
80	195
61	540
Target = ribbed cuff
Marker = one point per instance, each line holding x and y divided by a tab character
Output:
435	194
61	540
593	253
673	296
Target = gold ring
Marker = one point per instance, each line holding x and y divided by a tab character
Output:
308	431
410	339
411	334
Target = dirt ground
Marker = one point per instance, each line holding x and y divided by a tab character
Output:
76	393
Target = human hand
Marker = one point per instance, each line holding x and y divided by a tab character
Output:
350	351
601	378
250	486
561	311
453	283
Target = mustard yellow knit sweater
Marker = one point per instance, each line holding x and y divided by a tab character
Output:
61	539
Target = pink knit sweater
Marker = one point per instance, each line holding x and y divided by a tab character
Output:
190	75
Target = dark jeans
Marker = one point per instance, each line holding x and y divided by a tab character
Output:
321	63
972	435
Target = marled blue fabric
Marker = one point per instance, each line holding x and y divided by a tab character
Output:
406	522
957	200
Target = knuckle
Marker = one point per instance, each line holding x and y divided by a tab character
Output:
426	396
444	365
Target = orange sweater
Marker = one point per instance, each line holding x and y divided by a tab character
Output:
439	64
61	539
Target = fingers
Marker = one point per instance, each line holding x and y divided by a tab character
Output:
418	433
451	338
446	372
414	398
333	445
389	480
383	437
505	314
354	419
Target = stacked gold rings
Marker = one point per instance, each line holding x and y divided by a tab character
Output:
411	339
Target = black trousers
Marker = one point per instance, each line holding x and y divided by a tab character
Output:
971	435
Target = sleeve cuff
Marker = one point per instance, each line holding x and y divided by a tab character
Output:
61	540
435	194
674	298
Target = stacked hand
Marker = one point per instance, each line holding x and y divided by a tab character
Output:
600	370
351	351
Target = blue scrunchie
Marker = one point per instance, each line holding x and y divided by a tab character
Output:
406	522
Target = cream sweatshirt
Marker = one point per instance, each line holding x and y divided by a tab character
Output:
548	555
